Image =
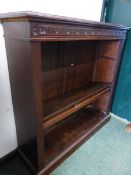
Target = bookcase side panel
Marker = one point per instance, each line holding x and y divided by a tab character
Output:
106	69
23	89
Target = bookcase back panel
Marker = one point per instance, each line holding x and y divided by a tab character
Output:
85	61
49	69
66	66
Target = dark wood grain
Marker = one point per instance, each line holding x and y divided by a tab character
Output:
109	49
45	27
63	63
43	16
63	137
49	66
115	77
24	60
57	67
22	97
65	114
101	103
106	61
71	98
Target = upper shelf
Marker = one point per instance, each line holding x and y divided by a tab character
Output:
44	27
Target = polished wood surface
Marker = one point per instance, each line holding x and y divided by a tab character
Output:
61	107
63	63
63	73
45	27
65	137
72	97
25	15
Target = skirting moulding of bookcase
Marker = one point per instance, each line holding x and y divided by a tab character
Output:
63	73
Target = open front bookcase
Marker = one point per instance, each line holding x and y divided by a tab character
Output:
62	74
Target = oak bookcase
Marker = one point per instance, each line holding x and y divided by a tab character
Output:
63	73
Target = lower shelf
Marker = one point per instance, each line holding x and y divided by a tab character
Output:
63	106
67	136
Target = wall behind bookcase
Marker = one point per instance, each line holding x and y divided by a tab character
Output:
85	9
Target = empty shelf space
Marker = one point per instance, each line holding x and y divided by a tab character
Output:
61	107
72	132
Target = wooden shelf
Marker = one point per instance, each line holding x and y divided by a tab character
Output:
71	65
61	107
70	134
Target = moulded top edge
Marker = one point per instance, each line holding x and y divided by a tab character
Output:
29	15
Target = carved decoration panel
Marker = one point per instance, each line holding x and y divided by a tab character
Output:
39	30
